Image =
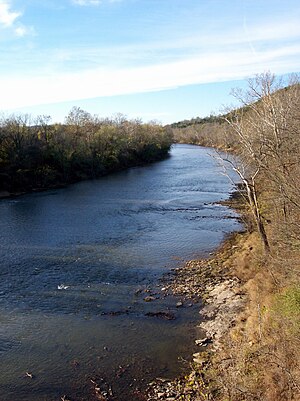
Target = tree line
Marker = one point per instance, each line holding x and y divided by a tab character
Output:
35	154
197	121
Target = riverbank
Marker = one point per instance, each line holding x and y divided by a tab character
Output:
214	284
221	291
4	194
250	321
224	283
36	155
253	348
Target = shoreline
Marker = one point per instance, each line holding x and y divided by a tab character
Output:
213	282
5	194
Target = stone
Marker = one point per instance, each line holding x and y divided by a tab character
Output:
149	299
199	359
203	341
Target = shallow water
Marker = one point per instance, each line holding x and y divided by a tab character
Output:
76	265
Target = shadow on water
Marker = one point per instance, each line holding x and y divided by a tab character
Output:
80	293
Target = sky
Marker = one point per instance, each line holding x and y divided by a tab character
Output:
164	60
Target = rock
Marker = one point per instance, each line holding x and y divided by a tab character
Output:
149	299
162	315
199	359
115	313
179	304
203	341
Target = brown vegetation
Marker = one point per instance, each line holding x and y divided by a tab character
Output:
258	359
205	134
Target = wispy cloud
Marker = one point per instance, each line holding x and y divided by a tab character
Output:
87	2
67	74
22	30
215	67
92	2
267	36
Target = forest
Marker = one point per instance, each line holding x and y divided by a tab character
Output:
35	154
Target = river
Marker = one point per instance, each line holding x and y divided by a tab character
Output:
76	267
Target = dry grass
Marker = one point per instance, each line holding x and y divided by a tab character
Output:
260	359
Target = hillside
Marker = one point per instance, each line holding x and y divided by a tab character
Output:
208	131
258	350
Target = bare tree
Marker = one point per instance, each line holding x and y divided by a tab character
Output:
266	126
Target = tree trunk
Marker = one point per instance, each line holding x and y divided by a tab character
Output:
251	193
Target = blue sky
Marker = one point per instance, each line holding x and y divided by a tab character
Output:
154	59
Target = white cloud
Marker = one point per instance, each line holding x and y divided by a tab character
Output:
87	2
257	37
70	75
206	68
7	17
92	2
9	20
22	30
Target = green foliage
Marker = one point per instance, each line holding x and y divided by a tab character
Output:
288	307
36	154
197	121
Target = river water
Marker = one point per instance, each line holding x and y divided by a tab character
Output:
77	264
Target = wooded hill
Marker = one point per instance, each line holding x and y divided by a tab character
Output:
197	121
35	154
260	357
207	131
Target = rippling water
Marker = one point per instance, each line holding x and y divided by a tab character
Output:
76	265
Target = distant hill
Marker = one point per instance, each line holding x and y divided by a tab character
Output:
207	131
197	120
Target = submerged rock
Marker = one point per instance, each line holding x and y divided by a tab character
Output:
162	315
149	299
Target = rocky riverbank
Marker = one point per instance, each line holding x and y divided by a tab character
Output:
213	281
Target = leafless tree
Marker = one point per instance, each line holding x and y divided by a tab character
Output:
266	126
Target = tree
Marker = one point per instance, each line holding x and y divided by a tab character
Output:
267	128
78	117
